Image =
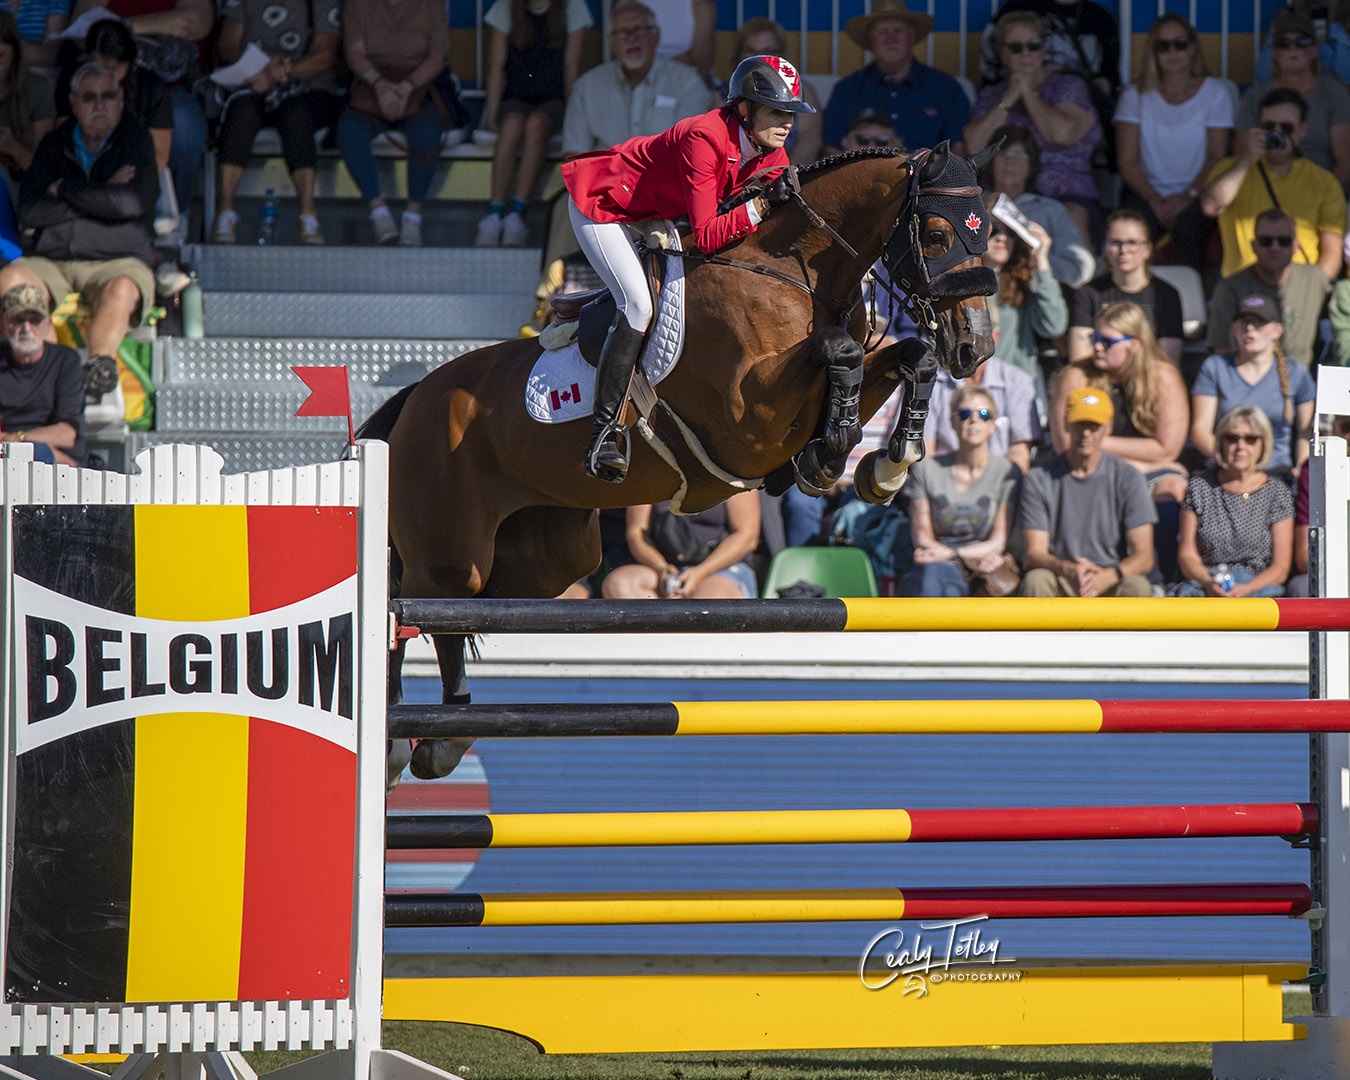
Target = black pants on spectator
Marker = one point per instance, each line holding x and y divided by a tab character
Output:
296	119
1190	231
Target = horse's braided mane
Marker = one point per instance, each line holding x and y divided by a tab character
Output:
849	155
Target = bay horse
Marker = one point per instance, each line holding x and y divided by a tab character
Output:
485	501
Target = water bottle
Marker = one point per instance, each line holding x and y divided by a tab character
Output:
267	219
192	309
1223	577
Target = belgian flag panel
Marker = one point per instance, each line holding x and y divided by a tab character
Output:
227	866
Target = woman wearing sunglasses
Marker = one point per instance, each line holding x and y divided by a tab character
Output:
1295	66
1237	523
959	506
1256	373
1151	413
1056	107
1172	128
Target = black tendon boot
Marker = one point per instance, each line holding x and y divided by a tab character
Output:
605	460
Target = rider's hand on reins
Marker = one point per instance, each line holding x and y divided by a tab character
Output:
781	189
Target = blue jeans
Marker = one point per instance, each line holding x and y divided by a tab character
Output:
802	517
189	145
1240	577
422	130
934	579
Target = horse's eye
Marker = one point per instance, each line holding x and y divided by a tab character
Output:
934	237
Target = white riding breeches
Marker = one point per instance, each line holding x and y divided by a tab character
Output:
613	256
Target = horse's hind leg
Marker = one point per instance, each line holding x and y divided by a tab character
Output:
438	757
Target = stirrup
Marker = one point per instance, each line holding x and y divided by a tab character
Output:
604	459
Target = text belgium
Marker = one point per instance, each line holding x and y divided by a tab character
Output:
197	664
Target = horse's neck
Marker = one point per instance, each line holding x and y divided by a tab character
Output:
861	213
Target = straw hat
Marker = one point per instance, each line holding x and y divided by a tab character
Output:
860	26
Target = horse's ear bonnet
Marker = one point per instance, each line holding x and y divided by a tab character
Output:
964	213
944	185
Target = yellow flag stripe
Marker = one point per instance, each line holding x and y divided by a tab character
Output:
187	878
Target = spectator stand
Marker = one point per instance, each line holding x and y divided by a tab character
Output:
267	308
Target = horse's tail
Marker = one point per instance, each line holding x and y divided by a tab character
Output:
381	422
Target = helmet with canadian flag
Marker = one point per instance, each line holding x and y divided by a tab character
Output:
768	80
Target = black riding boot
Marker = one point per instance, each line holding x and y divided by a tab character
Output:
604	458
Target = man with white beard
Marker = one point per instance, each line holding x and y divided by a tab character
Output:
636	93
41	383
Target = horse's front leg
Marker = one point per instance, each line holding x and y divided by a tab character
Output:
821	462
879	476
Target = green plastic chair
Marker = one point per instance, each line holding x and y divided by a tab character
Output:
840	571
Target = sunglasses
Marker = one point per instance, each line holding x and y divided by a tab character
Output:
1017	48
966	414
27	318
1245	440
1283	126
1303	41
1166	45
90	98
1109	342
1266	241
872	140
998	232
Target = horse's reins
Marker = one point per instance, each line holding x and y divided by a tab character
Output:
919	308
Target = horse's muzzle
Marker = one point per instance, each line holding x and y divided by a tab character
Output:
963	283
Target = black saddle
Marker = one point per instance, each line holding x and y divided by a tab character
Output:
594	309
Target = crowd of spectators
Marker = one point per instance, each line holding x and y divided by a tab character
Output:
1108	447
1099	446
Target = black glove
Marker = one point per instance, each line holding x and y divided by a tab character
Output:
782	188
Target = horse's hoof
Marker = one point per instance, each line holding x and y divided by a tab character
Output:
865	484
434	758
397	754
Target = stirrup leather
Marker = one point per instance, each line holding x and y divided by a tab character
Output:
605	460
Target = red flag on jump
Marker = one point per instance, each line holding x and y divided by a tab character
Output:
330	394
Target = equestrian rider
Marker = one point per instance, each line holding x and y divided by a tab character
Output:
686	171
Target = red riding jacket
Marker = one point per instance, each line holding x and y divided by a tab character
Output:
685	171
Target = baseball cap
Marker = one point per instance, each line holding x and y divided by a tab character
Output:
1291	22
1090	404
1257	306
23	299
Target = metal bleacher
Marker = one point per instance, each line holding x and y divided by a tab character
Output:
391	315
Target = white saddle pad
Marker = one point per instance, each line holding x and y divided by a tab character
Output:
561	386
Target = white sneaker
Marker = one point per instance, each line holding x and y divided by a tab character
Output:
515	233
223	233
411	233
310	233
170	279
489	232
382	221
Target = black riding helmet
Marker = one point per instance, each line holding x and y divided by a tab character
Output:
768	80
765	80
